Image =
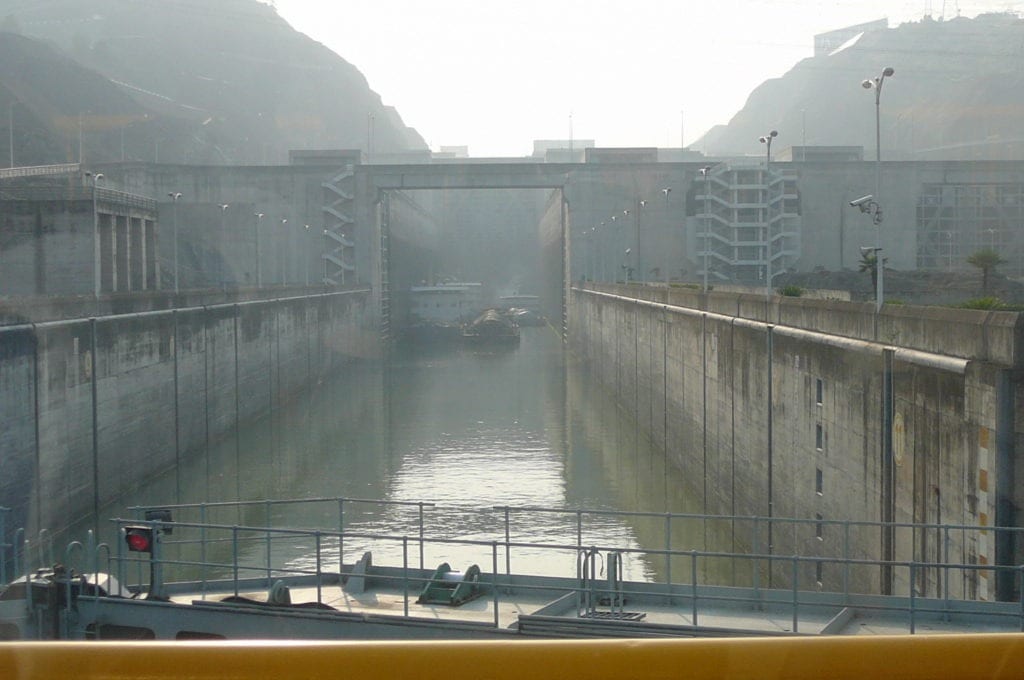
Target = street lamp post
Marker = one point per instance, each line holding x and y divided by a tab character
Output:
668	226
223	228
10	130
767	141
307	254
96	254
256	231
706	173
640	266
876	84
175	195
284	253
614	244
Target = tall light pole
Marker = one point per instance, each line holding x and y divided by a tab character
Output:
767	141
706	173
876	84
307	254
96	254
223	227
614	242
668	225
284	253
10	130
256	233
175	195
630	271
640	205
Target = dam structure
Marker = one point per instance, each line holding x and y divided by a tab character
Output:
169	310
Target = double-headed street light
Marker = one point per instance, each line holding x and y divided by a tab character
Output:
766	140
876	84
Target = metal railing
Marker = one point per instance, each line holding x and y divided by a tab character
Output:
240	554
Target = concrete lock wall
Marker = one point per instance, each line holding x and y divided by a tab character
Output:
786	420
95	406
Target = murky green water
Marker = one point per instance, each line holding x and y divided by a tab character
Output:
467	431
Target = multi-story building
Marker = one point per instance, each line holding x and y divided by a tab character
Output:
748	227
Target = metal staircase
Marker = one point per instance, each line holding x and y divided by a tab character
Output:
339	248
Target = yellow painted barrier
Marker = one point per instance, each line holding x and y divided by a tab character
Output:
937	657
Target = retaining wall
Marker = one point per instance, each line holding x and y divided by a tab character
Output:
93	406
796	411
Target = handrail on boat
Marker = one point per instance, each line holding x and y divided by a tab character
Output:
940	657
794	595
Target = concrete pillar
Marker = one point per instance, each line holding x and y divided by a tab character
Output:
122	268
108	247
137	260
152	266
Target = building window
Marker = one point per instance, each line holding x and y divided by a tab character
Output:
819	527
819	572
819	481
819	436
819	391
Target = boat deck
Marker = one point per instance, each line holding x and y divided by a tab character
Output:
541	607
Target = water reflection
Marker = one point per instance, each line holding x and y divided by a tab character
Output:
468	431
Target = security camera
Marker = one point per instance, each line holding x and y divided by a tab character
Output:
862	201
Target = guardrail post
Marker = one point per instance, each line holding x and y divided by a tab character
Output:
405	575
341	537
668	553
267	541
796	593
319	572
508	541
846	561
755	539
202	547
693	583
494	578
912	593
945	570
65	615
120	554
234	556
421	534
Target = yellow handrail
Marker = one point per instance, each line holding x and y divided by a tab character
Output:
963	657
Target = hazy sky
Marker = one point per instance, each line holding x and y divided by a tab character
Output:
497	75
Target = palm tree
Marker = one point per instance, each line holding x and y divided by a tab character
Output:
869	263
986	260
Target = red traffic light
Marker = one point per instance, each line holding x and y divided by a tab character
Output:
139	539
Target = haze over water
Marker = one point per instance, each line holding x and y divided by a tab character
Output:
467	431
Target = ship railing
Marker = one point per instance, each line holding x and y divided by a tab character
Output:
247	557
829	545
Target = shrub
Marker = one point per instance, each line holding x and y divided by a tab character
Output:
791	291
983	303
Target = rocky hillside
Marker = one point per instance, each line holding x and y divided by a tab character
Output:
179	81
958	93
